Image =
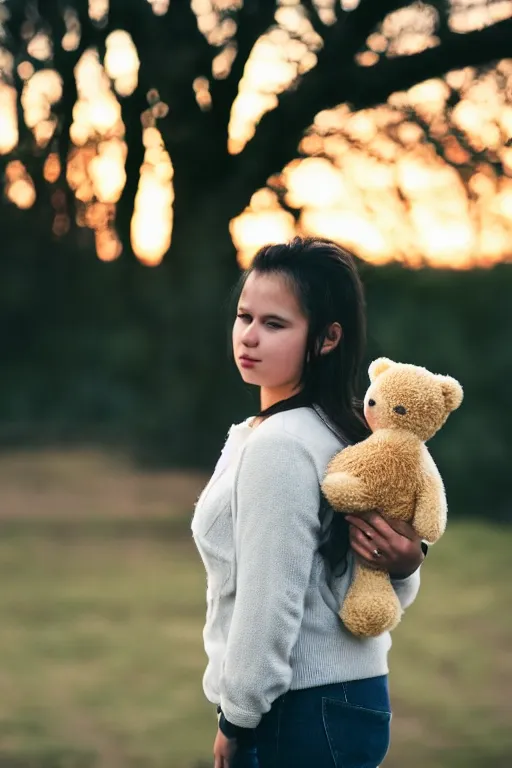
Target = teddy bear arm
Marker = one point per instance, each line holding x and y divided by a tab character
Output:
429	520
344	492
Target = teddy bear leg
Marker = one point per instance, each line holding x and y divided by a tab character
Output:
371	606
345	492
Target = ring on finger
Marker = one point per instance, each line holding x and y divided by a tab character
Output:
377	552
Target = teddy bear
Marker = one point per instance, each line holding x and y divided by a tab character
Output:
393	472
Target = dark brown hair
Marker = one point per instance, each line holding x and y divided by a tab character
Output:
324	278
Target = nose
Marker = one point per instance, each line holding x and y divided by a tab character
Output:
250	336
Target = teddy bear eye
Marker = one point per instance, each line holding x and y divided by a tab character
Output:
400	409
371	402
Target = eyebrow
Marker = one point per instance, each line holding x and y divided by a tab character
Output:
265	317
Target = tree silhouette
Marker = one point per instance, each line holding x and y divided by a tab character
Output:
88	343
212	185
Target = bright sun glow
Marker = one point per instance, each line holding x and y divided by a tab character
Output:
151	226
396	182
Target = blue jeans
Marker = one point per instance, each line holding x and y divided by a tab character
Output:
343	725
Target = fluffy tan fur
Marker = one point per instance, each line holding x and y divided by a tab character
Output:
393	472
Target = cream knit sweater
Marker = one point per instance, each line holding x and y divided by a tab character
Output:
272	609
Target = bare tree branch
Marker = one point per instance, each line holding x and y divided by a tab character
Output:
279	132
276	140
373	85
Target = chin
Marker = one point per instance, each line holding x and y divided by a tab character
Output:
249	377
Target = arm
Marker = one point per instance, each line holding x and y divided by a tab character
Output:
276	498
407	589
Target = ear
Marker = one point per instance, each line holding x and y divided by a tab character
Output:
332	338
379	366
452	392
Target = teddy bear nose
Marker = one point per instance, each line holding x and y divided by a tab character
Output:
371	402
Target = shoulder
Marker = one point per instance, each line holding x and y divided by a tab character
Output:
297	433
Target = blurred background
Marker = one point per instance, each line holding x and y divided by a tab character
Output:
147	149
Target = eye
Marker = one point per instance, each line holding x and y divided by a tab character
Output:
244	316
371	402
400	409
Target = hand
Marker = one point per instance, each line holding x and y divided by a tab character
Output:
223	750
390	545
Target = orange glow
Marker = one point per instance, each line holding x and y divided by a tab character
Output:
71	39
25	70
98	9
108	245
107	171
43	131
263	222
97	111
277	59
221	65
122	62
392	182
201	88
151	225
52	169
367	58
39	94
314	182
382	189
40	47
19	188
8	119
351	230
160	7
6	63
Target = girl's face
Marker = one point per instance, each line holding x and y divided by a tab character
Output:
270	334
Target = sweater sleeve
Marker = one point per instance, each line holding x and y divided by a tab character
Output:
407	589
276	499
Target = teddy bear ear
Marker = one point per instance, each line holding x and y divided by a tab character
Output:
378	366
452	392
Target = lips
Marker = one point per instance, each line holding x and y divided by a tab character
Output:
249	359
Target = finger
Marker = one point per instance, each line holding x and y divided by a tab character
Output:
404	529
369	546
369	556
383	526
370	533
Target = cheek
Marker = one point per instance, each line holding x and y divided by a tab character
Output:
283	356
290	350
235	333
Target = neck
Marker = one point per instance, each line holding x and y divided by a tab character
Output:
269	397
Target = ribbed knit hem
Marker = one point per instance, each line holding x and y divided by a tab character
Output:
239	717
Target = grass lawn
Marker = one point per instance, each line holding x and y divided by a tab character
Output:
102	608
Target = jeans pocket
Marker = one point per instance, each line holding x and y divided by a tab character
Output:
358	737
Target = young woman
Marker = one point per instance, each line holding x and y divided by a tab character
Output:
293	688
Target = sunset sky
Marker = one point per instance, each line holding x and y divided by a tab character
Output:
371	179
